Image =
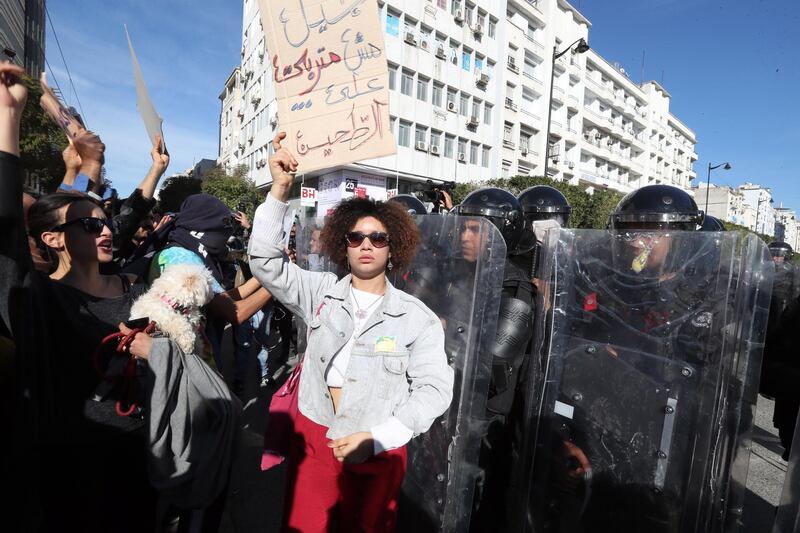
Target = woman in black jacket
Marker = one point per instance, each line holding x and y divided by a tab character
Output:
75	465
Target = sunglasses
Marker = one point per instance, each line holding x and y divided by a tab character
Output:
378	239
91	225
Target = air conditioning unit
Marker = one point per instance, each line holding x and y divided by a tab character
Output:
240	113
472	122
440	52
610	142
478	30
462	157
434	149
482	79
248	74
454	59
459	16
273	120
255	100
571	164
424	44
512	64
598	136
523	150
451	106
555	160
422	146
410	38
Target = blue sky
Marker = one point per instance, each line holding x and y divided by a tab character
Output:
732	69
730	66
186	49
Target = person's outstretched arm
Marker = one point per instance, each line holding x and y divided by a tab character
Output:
15	256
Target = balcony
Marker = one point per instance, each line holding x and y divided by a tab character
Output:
531	77
507	143
510	104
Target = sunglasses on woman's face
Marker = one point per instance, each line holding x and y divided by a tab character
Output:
378	239
91	225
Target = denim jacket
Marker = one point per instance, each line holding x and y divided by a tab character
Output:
397	366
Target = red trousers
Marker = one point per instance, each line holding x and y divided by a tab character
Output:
324	495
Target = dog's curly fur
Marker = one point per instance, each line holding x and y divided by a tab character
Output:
188	286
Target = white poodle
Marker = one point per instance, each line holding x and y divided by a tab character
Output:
173	302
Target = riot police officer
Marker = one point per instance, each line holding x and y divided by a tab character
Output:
413	204
780	372
511	346
780	251
542	202
712	224
631	394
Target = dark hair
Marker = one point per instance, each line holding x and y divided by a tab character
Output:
44	215
403	232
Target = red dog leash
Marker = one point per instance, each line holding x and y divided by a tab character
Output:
129	374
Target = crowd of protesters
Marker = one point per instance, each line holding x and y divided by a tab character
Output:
114	425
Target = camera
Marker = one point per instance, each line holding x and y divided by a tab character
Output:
433	192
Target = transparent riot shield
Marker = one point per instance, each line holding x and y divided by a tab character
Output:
461	282
649	379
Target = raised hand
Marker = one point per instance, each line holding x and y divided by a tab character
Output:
13	94
90	147
282	166
160	160
72	159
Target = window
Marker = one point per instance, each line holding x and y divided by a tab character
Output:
478	64
392	78
462	146
476	107
455	6
468	15
442	4
473	153
463	106
487	114
422	89
437	94
451	97
449	140
404	138
392	25
436	138
508	132
420	133
491	30
485	157
407	83
466	60
524	140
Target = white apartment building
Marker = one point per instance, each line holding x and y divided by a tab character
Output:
469	90
759	201
725	203
786	227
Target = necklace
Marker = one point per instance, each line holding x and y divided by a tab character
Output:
362	314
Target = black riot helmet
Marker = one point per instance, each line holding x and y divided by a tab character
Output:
712	224
500	207
656	208
413	204
781	249
543	202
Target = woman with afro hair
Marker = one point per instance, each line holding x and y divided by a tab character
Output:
375	373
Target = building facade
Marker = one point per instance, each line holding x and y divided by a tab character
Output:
22	37
758	200
786	227
725	203
469	94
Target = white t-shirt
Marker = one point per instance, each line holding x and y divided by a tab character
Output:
392	433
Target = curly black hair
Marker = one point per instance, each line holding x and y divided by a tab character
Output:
403	232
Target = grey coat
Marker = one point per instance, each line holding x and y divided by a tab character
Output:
397	366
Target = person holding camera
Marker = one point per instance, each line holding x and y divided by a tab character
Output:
375	372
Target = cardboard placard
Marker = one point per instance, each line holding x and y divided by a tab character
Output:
153	122
331	78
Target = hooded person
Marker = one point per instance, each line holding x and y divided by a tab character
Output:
199	236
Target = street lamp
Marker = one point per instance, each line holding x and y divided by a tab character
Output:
725	166
581	47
